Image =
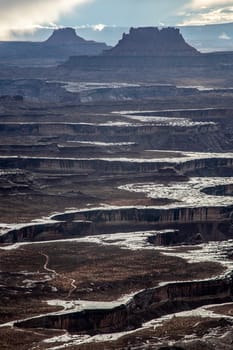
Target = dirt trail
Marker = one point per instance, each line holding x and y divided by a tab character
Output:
45	266
73	286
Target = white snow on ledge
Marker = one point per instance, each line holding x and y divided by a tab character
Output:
166	121
67	339
104	144
182	157
185	194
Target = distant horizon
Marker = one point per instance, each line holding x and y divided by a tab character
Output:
20	18
205	38
96	28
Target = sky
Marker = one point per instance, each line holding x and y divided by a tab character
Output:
20	16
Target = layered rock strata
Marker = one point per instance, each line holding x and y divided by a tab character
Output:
150	41
144	306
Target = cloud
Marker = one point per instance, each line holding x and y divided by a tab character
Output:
224	36
96	27
212	16
199	4
199	12
28	15
99	27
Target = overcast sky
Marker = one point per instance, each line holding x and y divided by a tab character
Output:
27	15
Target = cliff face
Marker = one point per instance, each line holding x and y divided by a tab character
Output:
202	224
144	306
47	231
150	41
195	167
195	138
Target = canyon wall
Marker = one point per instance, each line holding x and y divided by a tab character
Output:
205	167
144	306
214	223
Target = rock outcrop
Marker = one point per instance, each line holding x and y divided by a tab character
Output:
150	41
60	45
66	39
65	36
47	231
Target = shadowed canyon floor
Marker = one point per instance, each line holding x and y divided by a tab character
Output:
116	224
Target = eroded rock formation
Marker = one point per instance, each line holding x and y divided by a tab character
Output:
66	39
146	305
193	225
64	36
150	41
62	44
47	231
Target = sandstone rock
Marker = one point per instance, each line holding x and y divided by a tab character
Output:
150	41
64	36
60	45
65	41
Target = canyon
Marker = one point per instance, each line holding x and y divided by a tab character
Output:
116	203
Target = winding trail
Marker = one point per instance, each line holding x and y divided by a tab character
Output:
72	289
73	286
45	266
